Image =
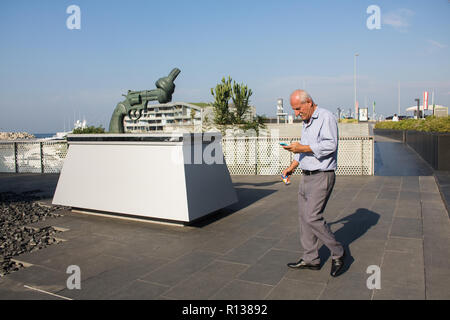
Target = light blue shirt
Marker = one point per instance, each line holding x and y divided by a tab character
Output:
321	134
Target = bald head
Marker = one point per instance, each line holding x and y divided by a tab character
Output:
299	96
302	104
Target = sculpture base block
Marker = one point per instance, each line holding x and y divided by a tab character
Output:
149	175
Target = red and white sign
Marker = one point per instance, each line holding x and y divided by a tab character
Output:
425	100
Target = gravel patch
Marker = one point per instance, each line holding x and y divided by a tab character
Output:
17	210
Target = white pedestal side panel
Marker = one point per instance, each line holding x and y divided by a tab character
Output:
142	179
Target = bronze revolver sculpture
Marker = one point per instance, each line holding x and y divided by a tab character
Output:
136	101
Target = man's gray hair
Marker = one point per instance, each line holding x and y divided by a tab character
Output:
305	96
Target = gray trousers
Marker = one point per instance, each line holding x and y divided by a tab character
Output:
314	192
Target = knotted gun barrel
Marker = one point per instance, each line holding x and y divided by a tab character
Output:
136	101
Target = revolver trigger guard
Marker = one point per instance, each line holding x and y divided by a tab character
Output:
134	114
139	114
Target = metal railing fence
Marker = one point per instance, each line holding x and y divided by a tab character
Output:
243	156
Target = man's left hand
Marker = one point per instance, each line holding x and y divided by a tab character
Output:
296	147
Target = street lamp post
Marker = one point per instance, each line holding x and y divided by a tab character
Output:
418	107
354	81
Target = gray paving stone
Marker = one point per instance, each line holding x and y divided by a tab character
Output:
437	283
249	229
125	260
250	251
411	198
359	259
90	245
139	290
180	269
435	205
430	196
392	182
392	291
405	245
270	268
407	228
366	196
108	282
410	183
375	246
387	195
434	214
289	289
317	276
403	268
264	218
40	277
90	262
378	232
383	207
428	184
348	194
123	250
207	282
242	290
334	209
222	243
276	230
348	286
436	230
290	242
408	211
163	246
13	290
437	256
288	214
43	254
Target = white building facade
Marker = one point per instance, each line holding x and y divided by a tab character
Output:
165	117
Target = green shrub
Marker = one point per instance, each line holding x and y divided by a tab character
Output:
90	129
429	124
348	120
200	104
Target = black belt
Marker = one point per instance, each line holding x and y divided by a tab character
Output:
308	173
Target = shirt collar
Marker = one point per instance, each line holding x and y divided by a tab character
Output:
315	115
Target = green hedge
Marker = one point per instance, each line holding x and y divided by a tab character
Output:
348	120
90	129
429	124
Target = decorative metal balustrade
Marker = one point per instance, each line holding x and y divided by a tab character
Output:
32	156
265	156
243	155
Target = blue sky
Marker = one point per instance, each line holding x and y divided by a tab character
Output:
51	75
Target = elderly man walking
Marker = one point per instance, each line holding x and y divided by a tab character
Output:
316	155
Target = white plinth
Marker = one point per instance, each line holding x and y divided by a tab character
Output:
168	177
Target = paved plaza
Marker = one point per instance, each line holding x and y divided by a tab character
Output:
396	220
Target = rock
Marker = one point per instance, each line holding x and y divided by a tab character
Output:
16	136
17	211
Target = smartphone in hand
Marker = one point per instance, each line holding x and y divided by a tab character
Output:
284	144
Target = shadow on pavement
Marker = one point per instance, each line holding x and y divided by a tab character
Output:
258	184
355	225
246	197
26	196
42	185
443	182
398	159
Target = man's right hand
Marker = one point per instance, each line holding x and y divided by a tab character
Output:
286	172
290	169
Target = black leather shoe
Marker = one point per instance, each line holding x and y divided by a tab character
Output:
303	265
337	265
